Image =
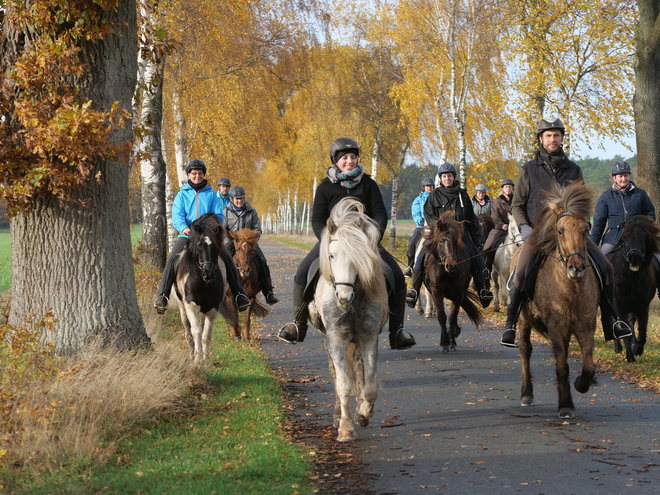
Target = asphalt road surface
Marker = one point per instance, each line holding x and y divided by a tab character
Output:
452	422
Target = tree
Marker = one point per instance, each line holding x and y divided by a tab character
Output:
647	96
69	74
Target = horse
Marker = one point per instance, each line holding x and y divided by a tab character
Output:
430	310
248	269
486	224
350	308
635	279
502	263
566	293
201	286
448	272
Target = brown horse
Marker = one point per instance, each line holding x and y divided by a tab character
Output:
247	267
448	270
566	292
635	279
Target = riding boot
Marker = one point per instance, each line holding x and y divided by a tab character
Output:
296	330
234	281
516	298
399	337
478	275
268	291
613	327
656	267
165	287
413	294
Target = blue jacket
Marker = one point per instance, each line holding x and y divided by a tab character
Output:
615	207
223	199
418	208
189	205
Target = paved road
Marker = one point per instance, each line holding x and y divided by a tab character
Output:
452	422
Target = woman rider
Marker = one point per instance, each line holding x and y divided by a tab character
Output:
347	178
195	199
500	215
239	214
450	197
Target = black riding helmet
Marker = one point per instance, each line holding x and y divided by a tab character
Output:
195	165
507	182
447	168
341	146
224	182
427	182
621	167
546	125
237	192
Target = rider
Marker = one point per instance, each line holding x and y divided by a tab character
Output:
550	166
345	178
223	191
481	202
239	214
195	199
449	196
418	217
500	215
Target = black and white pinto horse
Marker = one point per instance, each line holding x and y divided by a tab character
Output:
350	307
201	286
502	263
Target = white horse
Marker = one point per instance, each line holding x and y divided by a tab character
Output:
502	263
350	308
430	310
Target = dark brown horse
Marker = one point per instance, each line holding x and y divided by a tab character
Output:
635	279
448	270
566	293
247	267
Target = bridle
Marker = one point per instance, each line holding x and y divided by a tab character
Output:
347	284
441	257
563	258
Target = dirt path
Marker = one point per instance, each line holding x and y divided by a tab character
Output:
452	422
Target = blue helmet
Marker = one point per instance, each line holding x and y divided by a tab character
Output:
447	168
427	182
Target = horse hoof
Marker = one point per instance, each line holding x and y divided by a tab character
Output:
527	401
345	436
420	311
445	348
362	421
453	348
566	414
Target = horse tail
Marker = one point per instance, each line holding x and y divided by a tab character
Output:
473	312
259	309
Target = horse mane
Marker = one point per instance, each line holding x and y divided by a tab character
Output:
247	235
209	225
445	224
575	200
486	221
649	226
359	238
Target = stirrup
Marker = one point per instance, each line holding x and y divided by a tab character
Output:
407	272
244	305
161	309
625	331
509	338
289	329
411	298
406	337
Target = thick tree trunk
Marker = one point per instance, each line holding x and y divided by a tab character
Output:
180	138
646	102
76	261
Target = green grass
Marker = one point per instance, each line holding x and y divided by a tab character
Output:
230	440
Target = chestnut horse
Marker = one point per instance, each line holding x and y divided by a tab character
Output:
350	308
448	270
248	270
635	279
566	294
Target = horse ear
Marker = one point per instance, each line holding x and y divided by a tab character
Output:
332	228
554	207
218	232
232	234
198	229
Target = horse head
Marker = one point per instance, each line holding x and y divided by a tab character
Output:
640	235
244	242
446	241
513	232
205	250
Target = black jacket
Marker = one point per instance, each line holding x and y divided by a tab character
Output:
453	198
328	194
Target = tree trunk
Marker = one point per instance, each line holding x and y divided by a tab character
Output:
374	155
76	261
152	164
181	138
393	209
646	102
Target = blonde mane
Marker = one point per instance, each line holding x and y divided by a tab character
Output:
358	237
575	200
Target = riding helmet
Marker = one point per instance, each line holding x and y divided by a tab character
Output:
507	182
447	168
546	125
481	187
237	192
427	182
224	182
342	146
195	165
621	167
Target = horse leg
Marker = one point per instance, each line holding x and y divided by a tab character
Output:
186	330
586	340
209	318
195	333
525	349
442	320
430	304
246	322
560	349
495	277
343	388
333	376
454	329
368	393
229	312
630	342
642	325
418	304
